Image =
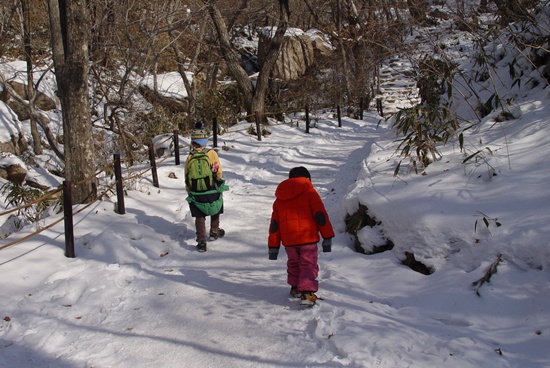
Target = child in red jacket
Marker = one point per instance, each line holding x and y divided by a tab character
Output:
297	219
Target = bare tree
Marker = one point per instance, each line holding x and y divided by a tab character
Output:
25	7
418	10
254	98
69	38
8	9
233	63
184	62
514	10
364	33
28	95
131	41
270	58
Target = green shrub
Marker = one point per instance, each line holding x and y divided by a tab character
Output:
424	127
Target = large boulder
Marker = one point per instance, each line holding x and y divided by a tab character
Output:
15	173
7	147
173	103
43	102
299	52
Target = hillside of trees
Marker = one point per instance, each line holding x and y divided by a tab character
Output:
227	54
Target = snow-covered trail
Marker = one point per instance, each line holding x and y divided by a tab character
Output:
139	295
139	290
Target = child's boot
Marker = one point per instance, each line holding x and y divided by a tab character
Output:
201	246
216	233
308	298
294	292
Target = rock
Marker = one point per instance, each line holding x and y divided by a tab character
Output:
43	102
175	105
298	54
7	147
14	173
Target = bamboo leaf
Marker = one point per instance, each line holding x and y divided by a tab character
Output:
470	157
396	171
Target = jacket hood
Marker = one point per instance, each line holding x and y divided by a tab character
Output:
292	188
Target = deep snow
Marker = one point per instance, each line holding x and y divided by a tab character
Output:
138	294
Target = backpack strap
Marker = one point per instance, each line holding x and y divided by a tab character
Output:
220	188
193	150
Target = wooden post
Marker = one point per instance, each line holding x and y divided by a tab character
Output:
177	146
258	127
215	130
68	213
379	107
339	114
307	119
121	209
153	165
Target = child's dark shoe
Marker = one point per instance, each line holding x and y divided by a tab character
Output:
294	292
201	246
216	233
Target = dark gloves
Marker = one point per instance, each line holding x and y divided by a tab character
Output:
327	245
273	253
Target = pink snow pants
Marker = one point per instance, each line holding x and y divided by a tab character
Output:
302	268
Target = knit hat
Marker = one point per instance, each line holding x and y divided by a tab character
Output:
199	135
299	172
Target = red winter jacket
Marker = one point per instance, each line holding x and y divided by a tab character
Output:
298	215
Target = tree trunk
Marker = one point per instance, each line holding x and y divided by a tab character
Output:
9	15
482	6
417	9
69	37
254	98
36	116
44	123
342	49
190	86
275	44
31	94
233	63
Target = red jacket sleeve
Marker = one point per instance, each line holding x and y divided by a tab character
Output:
320	215
274	239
